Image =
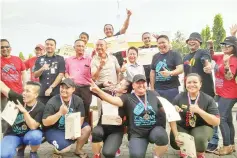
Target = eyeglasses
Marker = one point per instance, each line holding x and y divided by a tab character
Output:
2	47
225	46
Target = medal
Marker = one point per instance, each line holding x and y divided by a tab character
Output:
192	120
146	116
24	127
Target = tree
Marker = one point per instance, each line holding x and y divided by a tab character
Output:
206	35
21	56
179	43
30	56
219	32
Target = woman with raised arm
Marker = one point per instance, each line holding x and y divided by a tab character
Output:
145	121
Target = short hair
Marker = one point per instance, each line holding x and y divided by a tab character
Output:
133	48
84	33
163	36
33	83
110	25
128	86
145	33
5	40
51	39
79	40
196	75
101	39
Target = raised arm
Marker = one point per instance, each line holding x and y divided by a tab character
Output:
126	23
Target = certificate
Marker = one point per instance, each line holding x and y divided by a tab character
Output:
188	148
170	111
145	55
10	112
67	51
110	114
73	125
116	43
111	120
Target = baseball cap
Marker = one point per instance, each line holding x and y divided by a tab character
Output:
139	77
195	36
39	46
68	82
231	40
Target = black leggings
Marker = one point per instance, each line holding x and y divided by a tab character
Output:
138	146
112	140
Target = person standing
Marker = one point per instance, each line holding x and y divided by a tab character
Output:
50	69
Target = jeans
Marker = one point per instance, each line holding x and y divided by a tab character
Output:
226	126
215	138
9	143
138	146
169	94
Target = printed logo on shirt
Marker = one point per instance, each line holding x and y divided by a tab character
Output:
19	127
61	123
184	106
219	82
9	73
140	113
160	67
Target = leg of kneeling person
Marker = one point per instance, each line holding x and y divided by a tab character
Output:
172	138
97	139
138	147
56	137
8	146
159	136
202	135
112	144
33	138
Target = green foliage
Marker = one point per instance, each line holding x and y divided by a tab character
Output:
219	32
30	55
21	56
206	35
179	43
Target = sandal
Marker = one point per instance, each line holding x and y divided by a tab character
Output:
81	155
56	155
226	150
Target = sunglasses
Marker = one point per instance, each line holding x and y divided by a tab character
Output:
2	47
225	46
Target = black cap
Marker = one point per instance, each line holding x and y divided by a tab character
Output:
138	77
195	36
68	82
231	40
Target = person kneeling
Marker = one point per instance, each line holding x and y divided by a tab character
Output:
198	113
54	120
25	130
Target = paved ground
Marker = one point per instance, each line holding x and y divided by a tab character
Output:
46	149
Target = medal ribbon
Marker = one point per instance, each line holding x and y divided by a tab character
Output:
190	103
33	107
144	104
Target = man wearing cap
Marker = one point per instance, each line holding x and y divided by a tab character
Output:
197	61
30	63
54	119
78	68
144	116
50	69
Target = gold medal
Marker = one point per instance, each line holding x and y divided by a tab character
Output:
146	116
24	127
192	121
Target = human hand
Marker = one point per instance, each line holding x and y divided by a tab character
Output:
48	91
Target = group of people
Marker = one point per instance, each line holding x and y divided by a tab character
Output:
59	86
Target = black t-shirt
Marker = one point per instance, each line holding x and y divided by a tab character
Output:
118	55
168	61
138	126
147	68
53	106
194	63
57	65
20	127
205	102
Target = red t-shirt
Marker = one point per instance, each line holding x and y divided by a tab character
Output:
30	63
225	88
11	73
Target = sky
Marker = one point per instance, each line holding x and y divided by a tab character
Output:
26	23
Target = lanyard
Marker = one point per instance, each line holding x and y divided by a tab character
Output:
189	100
68	104
144	104
32	108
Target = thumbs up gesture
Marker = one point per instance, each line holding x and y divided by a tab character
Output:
165	73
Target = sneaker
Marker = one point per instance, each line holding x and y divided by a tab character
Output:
211	148
97	156
182	155
20	153
201	155
118	153
34	155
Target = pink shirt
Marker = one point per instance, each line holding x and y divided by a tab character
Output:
79	69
